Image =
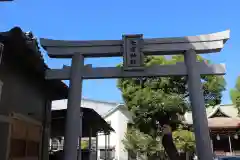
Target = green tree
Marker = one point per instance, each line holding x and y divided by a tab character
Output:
140	144
84	144
235	95
137	141
164	100
184	140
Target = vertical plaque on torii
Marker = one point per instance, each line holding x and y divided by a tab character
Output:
133	57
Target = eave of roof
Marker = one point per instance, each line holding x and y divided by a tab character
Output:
91	120
113	110
99	101
20	44
223	122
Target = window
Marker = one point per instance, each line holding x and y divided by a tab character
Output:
110	154
84	144
94	143
55	144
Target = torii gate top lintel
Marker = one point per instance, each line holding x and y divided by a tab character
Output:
207	43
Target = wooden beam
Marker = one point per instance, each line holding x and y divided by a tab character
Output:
114	72
156	46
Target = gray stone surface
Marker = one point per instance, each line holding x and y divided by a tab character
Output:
200	123
155	46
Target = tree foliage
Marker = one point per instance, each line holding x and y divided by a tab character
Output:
84	144
137	141
235	95
164	100
184	140
141	145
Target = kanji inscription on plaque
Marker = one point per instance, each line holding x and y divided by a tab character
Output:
132	52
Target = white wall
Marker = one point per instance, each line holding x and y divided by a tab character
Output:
114	120
124	119
119	120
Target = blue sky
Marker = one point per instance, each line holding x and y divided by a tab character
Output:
109	19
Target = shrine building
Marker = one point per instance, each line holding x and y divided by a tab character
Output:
224	127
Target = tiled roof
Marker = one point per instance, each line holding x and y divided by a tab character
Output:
22	51
232	119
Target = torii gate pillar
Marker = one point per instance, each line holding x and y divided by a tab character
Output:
72	133
199	116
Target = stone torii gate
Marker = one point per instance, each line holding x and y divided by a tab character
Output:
133	48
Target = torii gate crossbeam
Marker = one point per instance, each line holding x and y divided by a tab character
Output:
133	48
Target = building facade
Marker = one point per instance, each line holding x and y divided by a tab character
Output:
25	97
224	127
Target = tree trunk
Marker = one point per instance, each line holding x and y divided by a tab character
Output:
169	146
